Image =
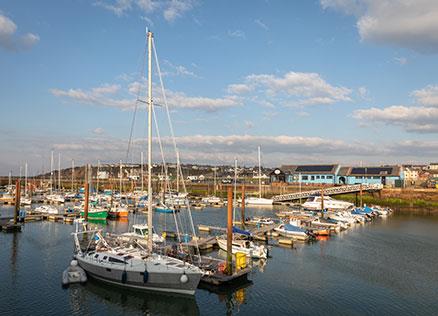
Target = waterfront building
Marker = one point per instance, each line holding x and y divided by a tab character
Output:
335	174
307	174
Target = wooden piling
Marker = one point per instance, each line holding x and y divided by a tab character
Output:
230	232
87	197
242	209
17	201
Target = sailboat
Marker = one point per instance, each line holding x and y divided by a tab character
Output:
139	268
251	200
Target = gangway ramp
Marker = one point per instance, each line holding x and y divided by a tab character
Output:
328	191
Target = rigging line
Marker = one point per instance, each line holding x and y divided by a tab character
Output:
142	73
174	144
164	165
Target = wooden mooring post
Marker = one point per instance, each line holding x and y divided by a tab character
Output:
87	197
17	201
242	208
230	232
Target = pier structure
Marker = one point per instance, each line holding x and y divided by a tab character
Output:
372	187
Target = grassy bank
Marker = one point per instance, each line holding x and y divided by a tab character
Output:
389	201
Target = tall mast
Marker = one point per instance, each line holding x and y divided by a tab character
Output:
235	190
120	180
25	179
97	176
260	175
72	173
59	171
51	173
149	35
177	171
141	172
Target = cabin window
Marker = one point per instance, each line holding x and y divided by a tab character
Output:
317	177
312	177
108	269
305	177
376	177
105	257
115	260
329	177
97	255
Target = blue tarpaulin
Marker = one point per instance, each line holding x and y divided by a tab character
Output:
241	231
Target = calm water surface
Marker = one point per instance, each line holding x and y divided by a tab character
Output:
389	266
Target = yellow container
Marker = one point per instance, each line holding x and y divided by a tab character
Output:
240	260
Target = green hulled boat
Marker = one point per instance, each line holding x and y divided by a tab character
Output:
97	213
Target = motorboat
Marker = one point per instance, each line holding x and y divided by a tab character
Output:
260	221
47	209
293	231
55	198
244	246
314	203
252	200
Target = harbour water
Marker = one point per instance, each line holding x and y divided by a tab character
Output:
388	266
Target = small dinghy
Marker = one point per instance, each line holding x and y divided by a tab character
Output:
73	274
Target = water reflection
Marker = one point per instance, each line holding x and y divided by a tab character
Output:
233	295
132	301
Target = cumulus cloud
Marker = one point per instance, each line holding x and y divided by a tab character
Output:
420	118
113	95
170	9
12	42
181	100
293	89
405	23
96	96
427	96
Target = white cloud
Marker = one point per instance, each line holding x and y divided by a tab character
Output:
177	70
96	96
181	100
261	24
100	96
405	23
170	9
427	96
363	92
239	88
98	131
177	8
236	34
401	60
419	118
293	89
9	41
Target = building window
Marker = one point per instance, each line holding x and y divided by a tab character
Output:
305	178
312	177
322	177
317	177
329	177
376	177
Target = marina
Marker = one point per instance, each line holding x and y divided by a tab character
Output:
372	261
185	157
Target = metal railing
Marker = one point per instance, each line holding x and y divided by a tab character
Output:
328	191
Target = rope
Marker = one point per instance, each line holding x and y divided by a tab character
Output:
175	147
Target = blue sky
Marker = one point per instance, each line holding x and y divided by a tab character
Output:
345	81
